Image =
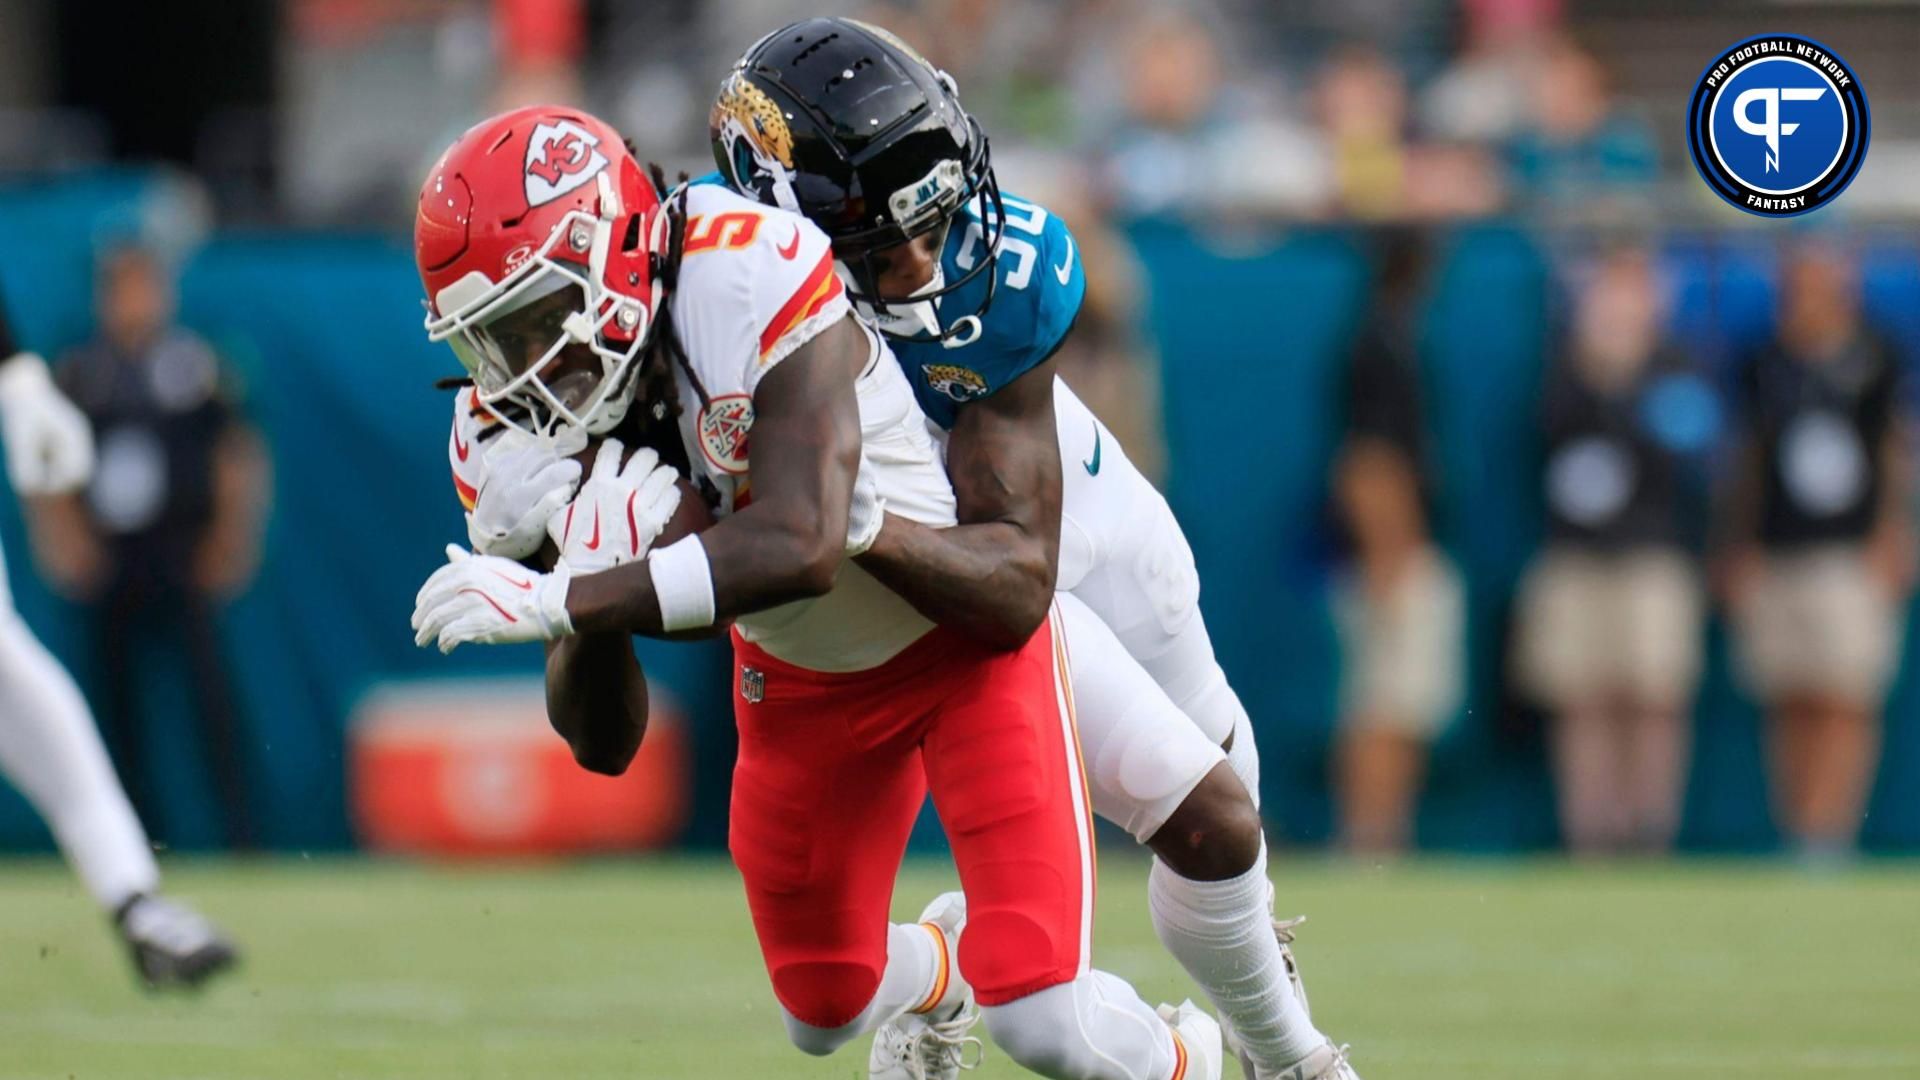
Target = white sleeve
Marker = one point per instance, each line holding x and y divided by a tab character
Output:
752	290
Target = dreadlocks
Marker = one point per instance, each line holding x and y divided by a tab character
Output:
666	335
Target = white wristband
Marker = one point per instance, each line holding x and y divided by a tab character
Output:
683	582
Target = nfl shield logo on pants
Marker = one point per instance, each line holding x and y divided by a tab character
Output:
753	685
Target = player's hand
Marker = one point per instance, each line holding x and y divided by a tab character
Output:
527	479
619	512
49	442
868	511
490	600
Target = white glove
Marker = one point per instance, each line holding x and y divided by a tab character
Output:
526	480
49	442
619	511
868	512
490	600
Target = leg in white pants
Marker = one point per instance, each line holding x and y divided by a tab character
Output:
1093	1028
50	750
1144	757
1155	708
1123	554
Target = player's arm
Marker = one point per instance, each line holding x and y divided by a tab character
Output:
787	545
596	690
992	576
597	699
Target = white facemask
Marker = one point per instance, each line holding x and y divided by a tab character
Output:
902	319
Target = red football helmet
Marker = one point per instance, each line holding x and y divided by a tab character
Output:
535	240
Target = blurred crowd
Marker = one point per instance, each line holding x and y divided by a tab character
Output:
1381	110
1782	496
1779	498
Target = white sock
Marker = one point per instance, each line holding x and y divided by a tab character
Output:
911	977
51	751
1093	1028
1222	933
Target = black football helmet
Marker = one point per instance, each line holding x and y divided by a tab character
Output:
845	123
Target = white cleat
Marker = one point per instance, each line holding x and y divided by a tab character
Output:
1196	1042
933	1045
912	1047
1327	1063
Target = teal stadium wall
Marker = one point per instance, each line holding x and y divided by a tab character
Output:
325	333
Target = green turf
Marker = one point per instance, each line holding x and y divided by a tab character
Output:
1454	971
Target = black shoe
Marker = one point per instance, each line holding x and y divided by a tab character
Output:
173	946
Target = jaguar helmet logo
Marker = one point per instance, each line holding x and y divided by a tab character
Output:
958	383
751	128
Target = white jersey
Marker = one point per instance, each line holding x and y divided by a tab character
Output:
755	284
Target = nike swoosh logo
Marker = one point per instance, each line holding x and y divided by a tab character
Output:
792	247
593	542
459	448
1065	269
495	604
524	586
1093	466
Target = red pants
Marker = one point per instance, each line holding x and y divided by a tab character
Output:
831	774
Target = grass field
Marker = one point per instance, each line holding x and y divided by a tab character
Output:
1434	971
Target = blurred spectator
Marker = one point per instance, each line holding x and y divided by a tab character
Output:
1580	155
1611	613
170	525
541	43
1188	144
1821	556
1484	95
1401	609
1378	175
1452	180
1363	116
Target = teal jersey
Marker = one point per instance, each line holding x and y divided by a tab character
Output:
1037	296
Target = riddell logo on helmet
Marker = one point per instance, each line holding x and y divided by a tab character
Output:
561	156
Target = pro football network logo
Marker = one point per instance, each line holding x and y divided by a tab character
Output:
561	156
1778	125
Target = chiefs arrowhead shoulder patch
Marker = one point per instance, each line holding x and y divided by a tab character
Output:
724	425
